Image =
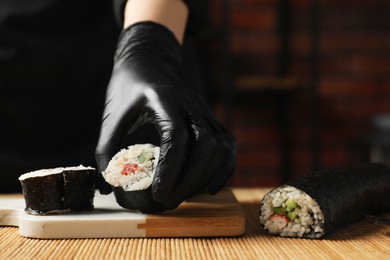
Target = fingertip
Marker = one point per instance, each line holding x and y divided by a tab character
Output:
105	189
101	184
102	159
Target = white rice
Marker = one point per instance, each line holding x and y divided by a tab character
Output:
142	175
46	172
309	220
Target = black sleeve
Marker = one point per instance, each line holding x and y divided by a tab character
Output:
197	22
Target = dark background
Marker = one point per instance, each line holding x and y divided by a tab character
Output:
299	82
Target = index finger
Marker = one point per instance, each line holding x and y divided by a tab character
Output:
107	146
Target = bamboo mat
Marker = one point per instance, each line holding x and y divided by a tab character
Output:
362	240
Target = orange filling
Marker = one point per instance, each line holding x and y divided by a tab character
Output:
129	168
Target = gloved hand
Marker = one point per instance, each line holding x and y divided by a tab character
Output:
196	153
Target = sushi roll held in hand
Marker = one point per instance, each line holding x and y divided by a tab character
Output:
59	190
130	172
317	204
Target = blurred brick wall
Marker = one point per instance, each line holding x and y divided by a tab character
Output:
354	81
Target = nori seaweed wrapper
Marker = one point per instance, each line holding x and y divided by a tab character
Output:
346	195
79	189
43	194
66	190
141	200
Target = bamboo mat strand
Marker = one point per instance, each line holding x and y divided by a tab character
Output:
362	240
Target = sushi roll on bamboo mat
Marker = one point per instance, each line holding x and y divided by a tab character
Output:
317	204
58	190
130	172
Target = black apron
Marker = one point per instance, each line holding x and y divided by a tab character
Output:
56	58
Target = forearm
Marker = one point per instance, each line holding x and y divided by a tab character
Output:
171	13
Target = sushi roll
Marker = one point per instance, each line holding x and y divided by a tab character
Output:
58	190
324	201
130	172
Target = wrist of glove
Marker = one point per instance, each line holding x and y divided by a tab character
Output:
196	153
197	21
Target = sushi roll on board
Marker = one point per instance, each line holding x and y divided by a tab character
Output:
58	190
322	202
130	172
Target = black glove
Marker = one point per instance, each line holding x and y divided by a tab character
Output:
196	153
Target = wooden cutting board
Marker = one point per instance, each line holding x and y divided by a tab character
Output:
202	216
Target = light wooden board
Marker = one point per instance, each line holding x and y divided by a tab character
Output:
202	216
